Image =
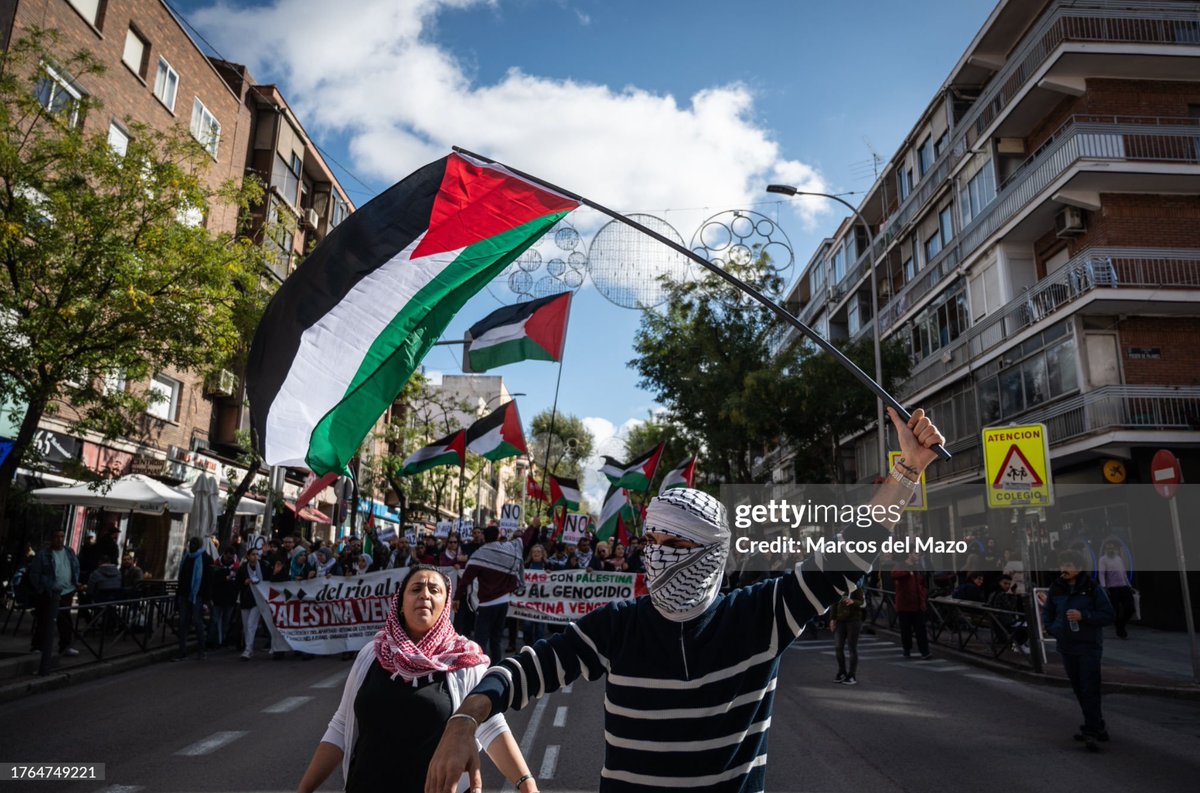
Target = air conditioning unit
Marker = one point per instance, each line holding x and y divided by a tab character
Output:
220	384
1069	222
311	218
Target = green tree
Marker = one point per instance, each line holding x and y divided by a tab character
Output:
104	274
566	448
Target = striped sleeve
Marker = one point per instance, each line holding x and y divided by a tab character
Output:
551	663
815	584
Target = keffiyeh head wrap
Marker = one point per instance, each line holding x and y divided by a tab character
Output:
685	582
440	650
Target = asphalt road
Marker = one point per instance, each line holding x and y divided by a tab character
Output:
224	725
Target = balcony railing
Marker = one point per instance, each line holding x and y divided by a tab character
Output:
1094	268
1129	407
1076	140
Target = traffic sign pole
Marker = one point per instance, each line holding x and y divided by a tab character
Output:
1187	595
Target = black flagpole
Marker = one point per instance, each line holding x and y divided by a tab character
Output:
778	310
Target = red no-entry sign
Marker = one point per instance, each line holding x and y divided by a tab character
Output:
1165	473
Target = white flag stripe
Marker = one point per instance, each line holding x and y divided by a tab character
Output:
500	335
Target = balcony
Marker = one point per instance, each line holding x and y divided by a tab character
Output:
1095	268
1107	139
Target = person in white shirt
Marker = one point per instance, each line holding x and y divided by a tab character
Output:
1114	577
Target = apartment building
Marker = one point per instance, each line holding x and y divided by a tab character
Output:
1037	251
157	75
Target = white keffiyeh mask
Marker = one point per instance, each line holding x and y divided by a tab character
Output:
685	582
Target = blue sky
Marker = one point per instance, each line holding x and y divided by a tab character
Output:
691	107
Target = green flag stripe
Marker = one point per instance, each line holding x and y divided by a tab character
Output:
407	339
525	349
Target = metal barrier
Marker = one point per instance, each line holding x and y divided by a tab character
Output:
962	625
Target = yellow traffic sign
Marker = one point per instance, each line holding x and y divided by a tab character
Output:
917	503
1018	466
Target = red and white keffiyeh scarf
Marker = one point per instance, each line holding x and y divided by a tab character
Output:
441	650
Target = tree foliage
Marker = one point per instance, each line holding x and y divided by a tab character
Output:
105	277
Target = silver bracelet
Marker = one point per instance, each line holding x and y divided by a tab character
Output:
474	720
912	484
521	781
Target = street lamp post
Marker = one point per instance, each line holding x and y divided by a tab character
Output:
479	477
882	444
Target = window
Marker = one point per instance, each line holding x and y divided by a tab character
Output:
946	224
205	127
853	318
282	235
906	183
135	53
118	139
285	177
114	381
925	156
939	145
932	246
910	269
341	210
818	280
938	325
166	84
59	96
978	193
164	397
1047	374
91	10
839	264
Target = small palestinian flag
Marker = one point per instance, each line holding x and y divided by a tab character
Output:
564	491
682	475
498	435
616	515
613	468
638	474
451	450
532	331
533	490
344	333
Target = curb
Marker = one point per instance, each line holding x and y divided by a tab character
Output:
1029	676
83	674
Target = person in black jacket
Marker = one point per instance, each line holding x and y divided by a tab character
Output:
224	597
1075	611
194	587
249	575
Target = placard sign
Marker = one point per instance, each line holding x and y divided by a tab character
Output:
510	518
574	528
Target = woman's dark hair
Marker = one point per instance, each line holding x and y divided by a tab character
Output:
1071	557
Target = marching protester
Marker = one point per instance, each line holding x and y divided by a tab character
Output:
194	583
224	588
1075	611
1115	581
499	568
846	625
399	697
249	575
912	599
686	652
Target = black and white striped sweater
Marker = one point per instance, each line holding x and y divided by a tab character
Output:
687	705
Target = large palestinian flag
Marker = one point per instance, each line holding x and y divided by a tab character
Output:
635	475
564	491
451	450
344	333
498	434
532	331
616	516
533	490
682	475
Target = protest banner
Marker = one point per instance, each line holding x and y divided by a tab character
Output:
562	596
331	615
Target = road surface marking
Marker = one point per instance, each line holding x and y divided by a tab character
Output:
994	679
333	681
928	666
560	716
566	689
531	729
549	763
212	743
120	789
287	705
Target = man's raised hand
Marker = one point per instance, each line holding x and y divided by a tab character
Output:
916	436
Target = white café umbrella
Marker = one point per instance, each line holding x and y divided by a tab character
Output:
206	505
132	493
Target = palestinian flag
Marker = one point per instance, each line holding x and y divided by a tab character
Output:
532	331
638	474
451	450
613	468
344	333
533	490
682	475
616	515
564	491
498	434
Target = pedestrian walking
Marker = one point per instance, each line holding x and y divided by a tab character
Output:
687	657
249	575
846	625
54	578
912	600
1115	580
1075	610
194	590
400	694
499	568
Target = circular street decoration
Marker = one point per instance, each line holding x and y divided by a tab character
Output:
628	267
738	237
555	263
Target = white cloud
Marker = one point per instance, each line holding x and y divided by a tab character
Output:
379	76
